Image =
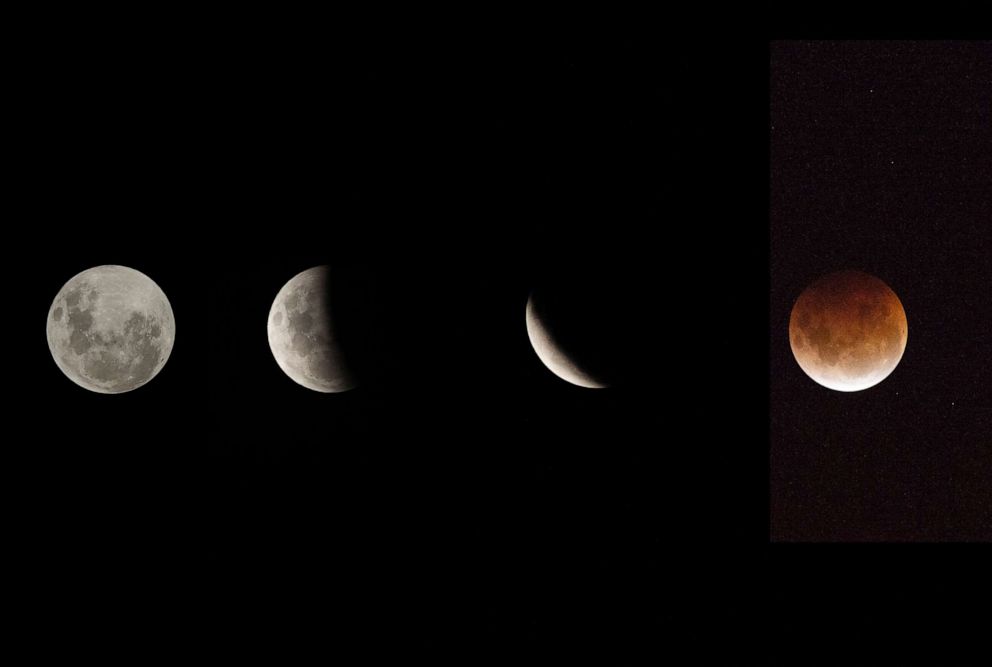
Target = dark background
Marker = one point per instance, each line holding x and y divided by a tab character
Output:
462	495
462	501
880	161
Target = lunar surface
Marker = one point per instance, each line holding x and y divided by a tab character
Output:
550	351
302	335
111	329
848	331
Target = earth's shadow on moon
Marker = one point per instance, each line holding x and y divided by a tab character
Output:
349	299
592	320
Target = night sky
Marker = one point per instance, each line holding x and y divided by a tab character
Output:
463	500
462	495
880	161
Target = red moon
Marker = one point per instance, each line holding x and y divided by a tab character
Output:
848	331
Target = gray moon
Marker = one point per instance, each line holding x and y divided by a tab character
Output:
111	329
302	336
551	354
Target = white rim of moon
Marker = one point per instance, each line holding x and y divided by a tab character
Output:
110	329
302	336
552	356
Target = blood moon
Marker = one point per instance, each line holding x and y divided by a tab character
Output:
848	330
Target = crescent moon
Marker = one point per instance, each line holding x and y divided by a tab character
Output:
551	354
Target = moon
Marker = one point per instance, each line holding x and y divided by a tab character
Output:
302	335
848	331
111	329
552	354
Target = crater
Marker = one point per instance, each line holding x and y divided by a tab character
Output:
57	314
301	322
135	325
293	301
128	361
79	342
80	322
105	367
301	344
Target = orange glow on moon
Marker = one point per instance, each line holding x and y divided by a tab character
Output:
848	331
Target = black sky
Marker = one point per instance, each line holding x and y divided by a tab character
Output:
463	500
880	160
462	495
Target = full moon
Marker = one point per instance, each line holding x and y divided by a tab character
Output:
302	335
111	329
552	353
848	331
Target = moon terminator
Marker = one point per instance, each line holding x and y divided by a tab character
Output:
302	336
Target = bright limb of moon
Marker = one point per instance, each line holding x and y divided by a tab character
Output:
551	354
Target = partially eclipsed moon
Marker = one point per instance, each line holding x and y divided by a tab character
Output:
111	329
848	331
302	336
551	353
